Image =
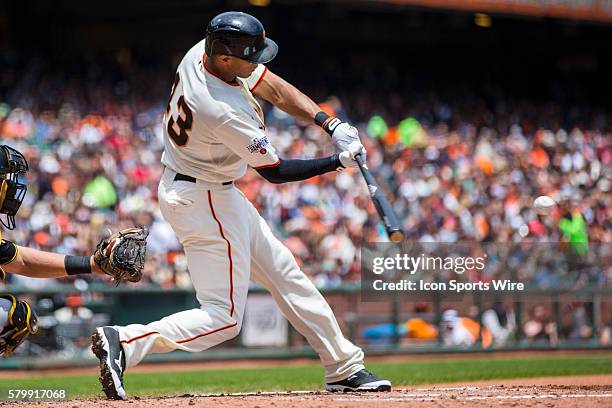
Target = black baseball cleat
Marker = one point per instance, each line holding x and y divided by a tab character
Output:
361	381
106	346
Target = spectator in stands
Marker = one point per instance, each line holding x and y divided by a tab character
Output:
74	320
539	326
416	328
462	331
500	322
575	322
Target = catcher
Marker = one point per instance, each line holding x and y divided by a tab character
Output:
121	255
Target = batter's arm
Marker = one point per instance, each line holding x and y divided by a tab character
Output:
40	264
285	171
286	97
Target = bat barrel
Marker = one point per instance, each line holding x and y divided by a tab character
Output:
383	207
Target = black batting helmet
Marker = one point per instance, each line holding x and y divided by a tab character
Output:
240	35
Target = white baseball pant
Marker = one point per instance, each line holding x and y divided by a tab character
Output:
225	241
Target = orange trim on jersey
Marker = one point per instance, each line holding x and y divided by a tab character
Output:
276	163
215	75
138	338
229	253
259	80
207	333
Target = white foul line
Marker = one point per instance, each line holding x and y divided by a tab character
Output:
541	396
431	397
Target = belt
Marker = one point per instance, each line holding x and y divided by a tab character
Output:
184	177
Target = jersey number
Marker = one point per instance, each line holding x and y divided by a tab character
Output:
183	122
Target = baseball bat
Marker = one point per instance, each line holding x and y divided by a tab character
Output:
383	207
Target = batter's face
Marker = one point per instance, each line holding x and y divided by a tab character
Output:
235	67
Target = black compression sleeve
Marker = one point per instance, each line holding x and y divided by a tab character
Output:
296	170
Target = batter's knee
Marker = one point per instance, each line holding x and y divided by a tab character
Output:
228	326
233	331
207	337
226	332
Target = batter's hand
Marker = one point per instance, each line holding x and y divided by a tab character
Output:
347	157
345	134
342	133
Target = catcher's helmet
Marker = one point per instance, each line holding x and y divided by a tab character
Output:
240	35
12	191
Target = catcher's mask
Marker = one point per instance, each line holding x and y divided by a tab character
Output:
12	192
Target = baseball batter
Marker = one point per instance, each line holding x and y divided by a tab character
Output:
214	128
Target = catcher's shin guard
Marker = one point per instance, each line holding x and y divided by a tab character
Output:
21	322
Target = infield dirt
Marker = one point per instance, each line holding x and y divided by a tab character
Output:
582	391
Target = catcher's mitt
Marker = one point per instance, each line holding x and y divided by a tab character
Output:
122	254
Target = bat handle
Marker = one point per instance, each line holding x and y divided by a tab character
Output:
359	160
362	168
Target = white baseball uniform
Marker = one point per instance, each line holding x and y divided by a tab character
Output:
214	129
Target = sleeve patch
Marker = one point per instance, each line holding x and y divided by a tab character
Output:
258	145
246	140
8	252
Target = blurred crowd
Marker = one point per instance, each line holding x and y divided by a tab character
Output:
461	169
495	327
